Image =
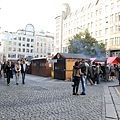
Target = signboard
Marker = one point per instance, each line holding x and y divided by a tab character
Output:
52	61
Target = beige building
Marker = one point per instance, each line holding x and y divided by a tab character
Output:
101	17
44	44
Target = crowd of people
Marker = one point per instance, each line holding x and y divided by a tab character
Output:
87	71
8	69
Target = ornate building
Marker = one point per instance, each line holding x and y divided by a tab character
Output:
101	17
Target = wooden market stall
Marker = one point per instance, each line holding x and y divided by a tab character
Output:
41	67
64	65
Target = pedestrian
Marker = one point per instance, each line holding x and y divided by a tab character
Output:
76	75
118	69
97	74
90	75
17	71
112	72
1	66
4	70
23	70
8	72
84	69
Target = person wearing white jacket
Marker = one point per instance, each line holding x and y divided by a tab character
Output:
17	71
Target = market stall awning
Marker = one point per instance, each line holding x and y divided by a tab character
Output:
113	60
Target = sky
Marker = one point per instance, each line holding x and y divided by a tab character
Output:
16	14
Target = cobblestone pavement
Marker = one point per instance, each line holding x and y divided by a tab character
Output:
49	99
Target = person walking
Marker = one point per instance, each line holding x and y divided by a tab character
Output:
76	75
8	71
23	70
1	67
17	71
4	70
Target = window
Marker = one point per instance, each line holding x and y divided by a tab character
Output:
19	50
37	44
19	38
31	50
91	14
91	33
23	38
96	33
58	27
28	40
96	12
41	44
100	32
57	20
14	43
23	50
112	7
100	21
111	19
111	29
106	19
23	45
37	49
88	15
116	17
32	40
65	49
106	8
91	24
15	38
96	22
19	44
118	3
57	35
28	45
106	31
14	49
27	50
9	49
88	25
10	42
100	11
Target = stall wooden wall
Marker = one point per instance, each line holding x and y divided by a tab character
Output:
69	67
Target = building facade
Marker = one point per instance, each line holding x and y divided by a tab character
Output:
17	45
101	17
26	43
44	44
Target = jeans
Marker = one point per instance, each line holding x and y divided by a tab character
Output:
83	78
23	76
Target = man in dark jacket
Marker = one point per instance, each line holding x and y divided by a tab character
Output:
23	70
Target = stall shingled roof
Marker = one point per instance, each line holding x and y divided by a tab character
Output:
71	56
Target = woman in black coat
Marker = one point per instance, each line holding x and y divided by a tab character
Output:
9	72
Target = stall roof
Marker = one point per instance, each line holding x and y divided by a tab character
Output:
71	56
113	60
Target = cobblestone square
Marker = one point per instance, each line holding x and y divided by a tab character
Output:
49	99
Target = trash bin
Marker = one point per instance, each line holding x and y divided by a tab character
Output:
52	73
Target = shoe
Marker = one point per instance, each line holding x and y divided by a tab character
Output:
82	94
16	83
23	83
74	93
8	84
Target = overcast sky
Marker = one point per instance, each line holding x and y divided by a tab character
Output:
16	14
